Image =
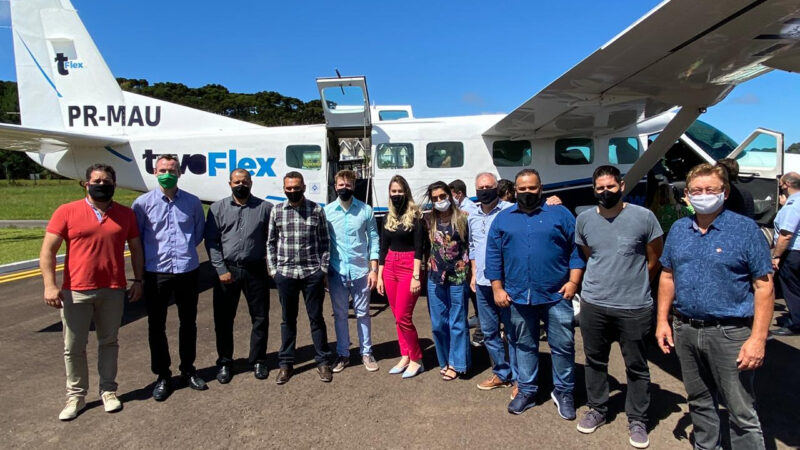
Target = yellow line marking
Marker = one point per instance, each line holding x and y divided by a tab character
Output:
32	273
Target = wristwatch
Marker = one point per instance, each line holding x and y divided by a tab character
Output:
416	276
373	269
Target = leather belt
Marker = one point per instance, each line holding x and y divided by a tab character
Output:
728	321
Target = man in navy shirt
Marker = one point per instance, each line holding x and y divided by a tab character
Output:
535	268
718	273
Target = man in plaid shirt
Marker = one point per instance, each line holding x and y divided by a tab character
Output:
298	257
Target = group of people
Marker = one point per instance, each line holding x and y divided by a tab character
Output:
524	260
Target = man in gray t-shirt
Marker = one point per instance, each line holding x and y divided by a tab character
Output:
622	243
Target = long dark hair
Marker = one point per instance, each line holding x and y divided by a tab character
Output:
458	218
411	213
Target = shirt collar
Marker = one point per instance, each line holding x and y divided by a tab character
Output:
793	197
164	196
247	203
95	208
543	207
719	222
498	207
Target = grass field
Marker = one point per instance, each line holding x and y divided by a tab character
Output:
25	201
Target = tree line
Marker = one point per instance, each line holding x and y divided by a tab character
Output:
266	108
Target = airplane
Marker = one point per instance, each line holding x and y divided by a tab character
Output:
633	103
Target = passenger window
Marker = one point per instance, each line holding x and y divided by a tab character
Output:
395	156
445	154
392	114
760	152
574	151
304	157
623	150
511	153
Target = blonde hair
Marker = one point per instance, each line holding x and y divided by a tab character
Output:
705	169
411	213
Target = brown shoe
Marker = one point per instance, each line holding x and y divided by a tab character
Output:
325	373
514	391
493	382
284	374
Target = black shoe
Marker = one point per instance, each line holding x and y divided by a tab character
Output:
162	389
284	374
195	382
477	340
785	331
260	371
325	373
224	375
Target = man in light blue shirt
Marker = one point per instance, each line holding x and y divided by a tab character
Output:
786	255
171	224
353	268
480	220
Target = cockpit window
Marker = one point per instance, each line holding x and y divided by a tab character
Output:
714	142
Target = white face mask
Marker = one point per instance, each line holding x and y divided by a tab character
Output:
707	203
442	205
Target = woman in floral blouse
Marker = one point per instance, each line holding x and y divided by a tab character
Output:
447	281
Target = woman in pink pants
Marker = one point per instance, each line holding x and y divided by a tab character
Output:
402	246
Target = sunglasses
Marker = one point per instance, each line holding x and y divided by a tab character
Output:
438	198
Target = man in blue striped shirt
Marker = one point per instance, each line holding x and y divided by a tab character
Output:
535	269
353	268
171	223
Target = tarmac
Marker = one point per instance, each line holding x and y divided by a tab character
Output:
358	409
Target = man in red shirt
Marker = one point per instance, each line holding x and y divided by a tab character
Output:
95	229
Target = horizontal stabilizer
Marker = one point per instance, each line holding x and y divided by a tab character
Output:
25	139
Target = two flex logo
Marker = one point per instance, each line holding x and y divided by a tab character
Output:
200	164
63	64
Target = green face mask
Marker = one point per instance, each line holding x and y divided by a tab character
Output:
167	180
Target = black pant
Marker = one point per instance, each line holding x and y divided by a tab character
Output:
600	326
789	277
159	289
252	280
313	293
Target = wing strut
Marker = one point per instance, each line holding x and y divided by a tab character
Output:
674	129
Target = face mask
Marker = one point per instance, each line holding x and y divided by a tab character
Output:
608	199
167	180
400	202
344	194
528	200
442	205
241	191
707	203
295	196
101	192
487	196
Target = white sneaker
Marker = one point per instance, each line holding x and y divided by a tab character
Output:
72	408
110	402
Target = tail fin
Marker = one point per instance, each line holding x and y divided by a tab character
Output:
57	64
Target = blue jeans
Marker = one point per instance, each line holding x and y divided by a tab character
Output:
491	317
341	289
447	305
558	318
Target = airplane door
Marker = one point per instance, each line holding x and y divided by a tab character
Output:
345	104
761	161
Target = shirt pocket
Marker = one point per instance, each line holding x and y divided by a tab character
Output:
311	223
627	246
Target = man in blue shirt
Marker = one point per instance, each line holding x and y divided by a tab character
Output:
717	271
535	268
353	268
504	369
171	223
786	255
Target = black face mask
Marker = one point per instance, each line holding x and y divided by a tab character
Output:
528	200
101	192
487	196
400	203
241	191
295	196
608	199
344	194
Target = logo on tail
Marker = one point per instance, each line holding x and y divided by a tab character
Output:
64	64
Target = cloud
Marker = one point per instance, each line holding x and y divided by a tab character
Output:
472	98
747	99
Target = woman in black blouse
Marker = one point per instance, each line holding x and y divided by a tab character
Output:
402	246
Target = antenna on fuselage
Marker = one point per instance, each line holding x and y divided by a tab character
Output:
338	75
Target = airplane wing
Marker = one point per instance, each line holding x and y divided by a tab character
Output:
684	52
23	139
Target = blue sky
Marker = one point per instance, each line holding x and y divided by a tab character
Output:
473	58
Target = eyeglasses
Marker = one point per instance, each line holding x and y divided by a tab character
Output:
438	198
710	191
